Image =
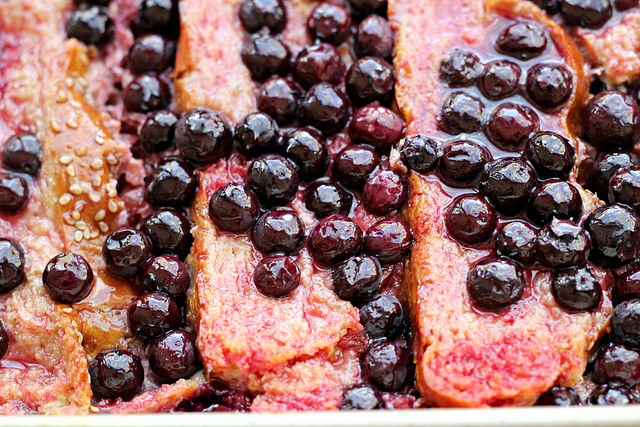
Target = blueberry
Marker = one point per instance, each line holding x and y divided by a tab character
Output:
22	153
507	184
367	7
374	37
174	356
116	373
617	363
334	239
462	162
517	241
166	273
420	153
624	187
615	235
606	165
90	25
500	79
279	231
151	53
586	13
265	56
152	314
470	219
357	279
625	323
14	194
627	285
12	265
389	240
68	278
159	15
461	113
203	135
353	165
158	131
562	244
169	231
613	394
324	107
611	120
387	364
277	276
370	79
172	183
511	125
309	152
549	86
558	396
382	316
256	134
318	63
125	251
146	93
550	154
278	97
554	199
377	126
329	22
522	40
576	290
361	397
233	208
325	198
273	179
460	68
384	192
256	14
495	284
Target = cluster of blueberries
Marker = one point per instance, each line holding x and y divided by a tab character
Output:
585	13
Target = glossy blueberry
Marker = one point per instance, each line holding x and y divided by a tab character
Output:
167	274
125	251
203	135
169	231
420	153
548	85
517	241
90	25
576	290
624	187
325	198
334	239
233	208
330	23
362	397
511	125
256	134
625	323
265	56
507	184
324	107
174	356
273	179
152	314
470	219
256	14
159	16
278	231
158	131
318	63
374	37
461	113
462	162
522	40
116	373
627	285
550	154
495	284
370	79
613	394
308	151
554	199
353	165
357	279
367	7
558	396
617	363
500	79
12	263
21	153
615	235
387	364
278	97
68	278
389	240
14	194
172	183
460	68
377	126
151	53
586	13
606	165
562	244
277	276
382	316
146	93
384	192
611	120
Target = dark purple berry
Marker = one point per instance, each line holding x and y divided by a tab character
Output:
510	126
278	231
159	15
256	134
334	239
374	37
12	265
500	79
357	279
517	241
367	7
233	208
550	154
627	285
308	151
613	394
611	120
494	284
562	244
622	5
617	363
14	194
387	364
549	85
265	56
256	14
68	278
606	165
146	93
507	184
460	68
151	53
389	240
461	113
558	396
4	340
90	25
384	192
586	13
470	219
276	277
172	183
377	126
624	187
158	131
153	314
126	251
278	97
324	107
625	323
362	397
330	23
353	165
169	231
420	153
615	235
370	79
21	153
554	199
318	63
174	356
203	135
325	198
462	162
522	40
165	273
576	290
382	316
273	179
116	373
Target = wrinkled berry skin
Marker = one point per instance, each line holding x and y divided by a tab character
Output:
625	323
617	363
558	396
276	276
577	290
334	239
615	235
389	240
203	135
385	192
361	397
613	394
